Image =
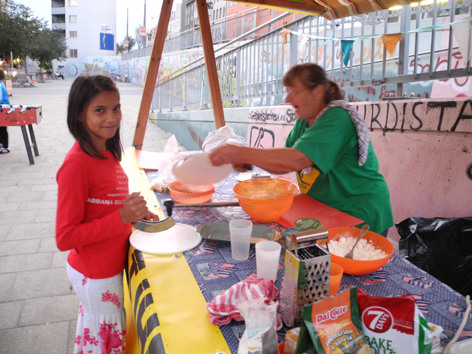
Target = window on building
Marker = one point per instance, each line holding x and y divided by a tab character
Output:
72	53
72	18
73	34
72	2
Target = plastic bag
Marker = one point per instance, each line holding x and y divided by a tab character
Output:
224	135
441	247
165	176
394	324
333	326
260	336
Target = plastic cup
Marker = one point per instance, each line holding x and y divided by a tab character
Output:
267	259
335	276
240	233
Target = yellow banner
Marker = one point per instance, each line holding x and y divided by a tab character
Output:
165	308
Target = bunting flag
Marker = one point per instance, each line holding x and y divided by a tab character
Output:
284	33
462	31
346	45
390	41
462	34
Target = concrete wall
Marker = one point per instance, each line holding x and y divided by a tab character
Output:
424	147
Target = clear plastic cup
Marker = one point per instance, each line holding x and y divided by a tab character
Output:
267	259
240	232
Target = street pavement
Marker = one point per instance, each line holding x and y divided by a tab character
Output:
38	308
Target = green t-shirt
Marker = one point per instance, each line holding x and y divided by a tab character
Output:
336	179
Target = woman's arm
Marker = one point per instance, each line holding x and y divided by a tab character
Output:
274	160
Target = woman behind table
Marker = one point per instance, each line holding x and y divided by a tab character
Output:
94	213
3	100
329	147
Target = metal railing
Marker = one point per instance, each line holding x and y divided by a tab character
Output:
251	75
222	31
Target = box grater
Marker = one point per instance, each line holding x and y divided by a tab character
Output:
306	279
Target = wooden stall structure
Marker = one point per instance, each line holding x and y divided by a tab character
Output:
330	9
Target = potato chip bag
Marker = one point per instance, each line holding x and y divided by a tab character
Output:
394	325
332	326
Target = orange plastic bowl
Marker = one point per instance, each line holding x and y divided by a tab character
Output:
266	199
192	195
355	267
335	277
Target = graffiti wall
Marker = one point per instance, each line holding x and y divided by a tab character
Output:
424	147
136	69
93	65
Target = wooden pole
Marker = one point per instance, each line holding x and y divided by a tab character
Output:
151	76
210	63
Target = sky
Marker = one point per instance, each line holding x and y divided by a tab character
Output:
42	9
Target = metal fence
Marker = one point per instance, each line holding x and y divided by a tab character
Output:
251	75
222	31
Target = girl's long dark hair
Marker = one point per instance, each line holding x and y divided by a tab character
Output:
312	75
83	90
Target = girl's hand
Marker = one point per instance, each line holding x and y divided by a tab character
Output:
134	208
152	217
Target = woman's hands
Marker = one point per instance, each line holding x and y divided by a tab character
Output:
134	209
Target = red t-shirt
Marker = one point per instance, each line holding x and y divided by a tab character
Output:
91	191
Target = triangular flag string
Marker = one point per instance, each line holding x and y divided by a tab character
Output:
346	45
462	34
391	40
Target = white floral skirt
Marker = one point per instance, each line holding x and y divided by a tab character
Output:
101	325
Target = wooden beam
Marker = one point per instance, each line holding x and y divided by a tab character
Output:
210	63
307	5
151	76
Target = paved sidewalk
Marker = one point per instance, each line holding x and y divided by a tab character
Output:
38	309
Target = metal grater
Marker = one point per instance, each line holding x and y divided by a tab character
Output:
306	278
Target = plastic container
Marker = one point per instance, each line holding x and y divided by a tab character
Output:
335	277
193	195
355	267
266	199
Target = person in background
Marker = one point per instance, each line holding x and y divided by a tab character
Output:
329	148
4	99
95	212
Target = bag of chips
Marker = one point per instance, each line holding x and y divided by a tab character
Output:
332	326
394	325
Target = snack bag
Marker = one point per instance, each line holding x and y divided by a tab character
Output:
333	326
394	325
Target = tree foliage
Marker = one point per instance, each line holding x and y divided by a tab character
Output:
48	46
23	34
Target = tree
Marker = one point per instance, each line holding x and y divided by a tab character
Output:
131	42
139	40
120	48
17	28
49	45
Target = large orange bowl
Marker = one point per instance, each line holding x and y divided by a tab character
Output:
266	199
355	267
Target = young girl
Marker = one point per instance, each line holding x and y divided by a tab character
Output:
94	213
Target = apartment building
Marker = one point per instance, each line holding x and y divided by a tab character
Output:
89	27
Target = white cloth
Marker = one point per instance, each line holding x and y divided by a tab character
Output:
363	136
101	325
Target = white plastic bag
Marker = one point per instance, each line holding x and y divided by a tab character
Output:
261	322
224	135
165	167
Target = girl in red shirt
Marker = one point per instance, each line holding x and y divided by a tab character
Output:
94	214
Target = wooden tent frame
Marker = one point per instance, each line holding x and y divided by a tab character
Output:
210	64
311	7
